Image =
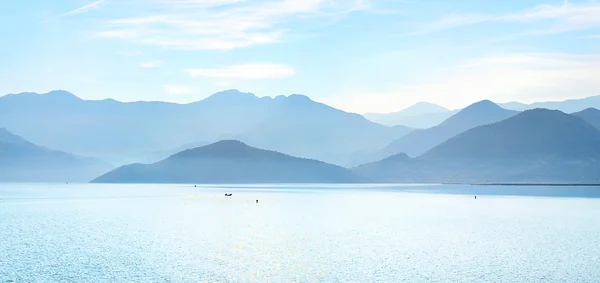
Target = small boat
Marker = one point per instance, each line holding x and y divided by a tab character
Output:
228	195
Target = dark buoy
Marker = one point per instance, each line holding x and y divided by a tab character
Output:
475	197
256	201
195	186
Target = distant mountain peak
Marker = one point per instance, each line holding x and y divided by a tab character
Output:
230	95
398	157
590	110
483	103
55	94
62	94
425	108
590	115
293	97
220	148
299	97
479	109
228	144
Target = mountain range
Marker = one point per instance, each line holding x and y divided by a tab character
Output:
125	133
419	116
236	137
425	115
534	146
230	161
420	141
567	106
23	161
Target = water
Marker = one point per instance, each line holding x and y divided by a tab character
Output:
178	233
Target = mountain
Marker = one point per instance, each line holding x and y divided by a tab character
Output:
230	162
421	115
534	146
139	131
126	132
23	161
591	116
420	141
567	106
298	126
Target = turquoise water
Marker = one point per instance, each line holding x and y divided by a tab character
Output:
178	233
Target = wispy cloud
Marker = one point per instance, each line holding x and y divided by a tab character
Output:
245	71
177	89
562	17
525	77
221	24
151	64
85	8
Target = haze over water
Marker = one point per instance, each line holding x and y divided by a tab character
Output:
313	233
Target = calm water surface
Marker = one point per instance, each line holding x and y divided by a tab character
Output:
178	233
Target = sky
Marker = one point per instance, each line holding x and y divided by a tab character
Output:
357	55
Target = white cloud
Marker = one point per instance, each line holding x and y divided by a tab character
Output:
86	8
151	64
509	77
563	17
245	71
177	89
221	24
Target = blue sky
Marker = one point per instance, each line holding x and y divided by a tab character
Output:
357	55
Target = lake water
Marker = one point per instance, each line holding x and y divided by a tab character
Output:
312	233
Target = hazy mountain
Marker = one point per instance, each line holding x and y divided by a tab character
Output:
420	141
535	146
23	161
230	162
141	131
591	116
301	127
124	132
162	154
567	106
421	115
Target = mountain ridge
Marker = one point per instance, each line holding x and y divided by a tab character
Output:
129	132
533	146
419	115
23	161
232	162
420	141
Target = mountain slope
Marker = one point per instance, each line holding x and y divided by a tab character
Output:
420	141
535	146
421	115
301	127
22	161
591	116
230	162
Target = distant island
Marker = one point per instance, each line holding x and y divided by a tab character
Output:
229	162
